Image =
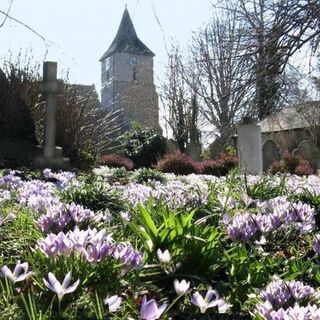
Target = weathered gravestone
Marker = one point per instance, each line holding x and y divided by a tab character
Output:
249	147
193	150
270	153
308	151
50	86
171	146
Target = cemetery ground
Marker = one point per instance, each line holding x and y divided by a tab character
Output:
112	244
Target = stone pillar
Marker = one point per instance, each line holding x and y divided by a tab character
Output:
50	86
250	148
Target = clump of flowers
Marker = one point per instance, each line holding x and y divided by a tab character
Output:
59	216
62	178
275	214
287	300
11	181
92	244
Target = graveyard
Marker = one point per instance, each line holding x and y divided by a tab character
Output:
184	192
183	239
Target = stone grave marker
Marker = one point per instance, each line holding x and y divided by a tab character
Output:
308	151
270	153
249	146
50	86
171	146
193	150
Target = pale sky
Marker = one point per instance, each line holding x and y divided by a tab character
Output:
79	32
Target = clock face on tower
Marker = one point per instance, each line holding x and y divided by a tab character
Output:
107	64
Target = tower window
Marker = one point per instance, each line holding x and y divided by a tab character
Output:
134	74
107	76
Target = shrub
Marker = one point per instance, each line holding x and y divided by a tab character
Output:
145	175
221	166
291	161
116	161
291	164
178	163
303	168
278	166
144	146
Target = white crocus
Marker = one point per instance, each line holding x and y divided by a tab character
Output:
181	287
113	302
60	289
19	273
211	300
163	257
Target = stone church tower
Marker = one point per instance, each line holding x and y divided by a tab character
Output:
127	77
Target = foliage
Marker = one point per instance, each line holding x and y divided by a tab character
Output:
18	94
145	175
177	163
220	166
116	161
144	146
291	164
92	194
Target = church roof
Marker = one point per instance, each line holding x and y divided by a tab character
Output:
296	117
126	39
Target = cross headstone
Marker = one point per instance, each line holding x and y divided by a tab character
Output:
308	151
250	147
270	153
50	86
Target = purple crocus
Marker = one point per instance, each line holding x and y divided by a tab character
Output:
150	310
60	289
20	272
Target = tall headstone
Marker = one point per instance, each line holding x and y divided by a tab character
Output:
308	151
270	153
193	150
50	86
250	147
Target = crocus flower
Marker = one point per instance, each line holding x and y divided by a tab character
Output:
211	300
163	257
149	309
181	287
113	302
54	285
19	273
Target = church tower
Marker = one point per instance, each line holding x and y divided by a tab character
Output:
127	77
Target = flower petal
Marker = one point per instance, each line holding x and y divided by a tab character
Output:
148	309
72	287
7	273
66	280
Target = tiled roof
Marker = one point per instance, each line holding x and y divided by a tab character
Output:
290	118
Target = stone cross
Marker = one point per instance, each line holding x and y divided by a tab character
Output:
50	86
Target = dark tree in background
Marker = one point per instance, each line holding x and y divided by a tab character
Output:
18	93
